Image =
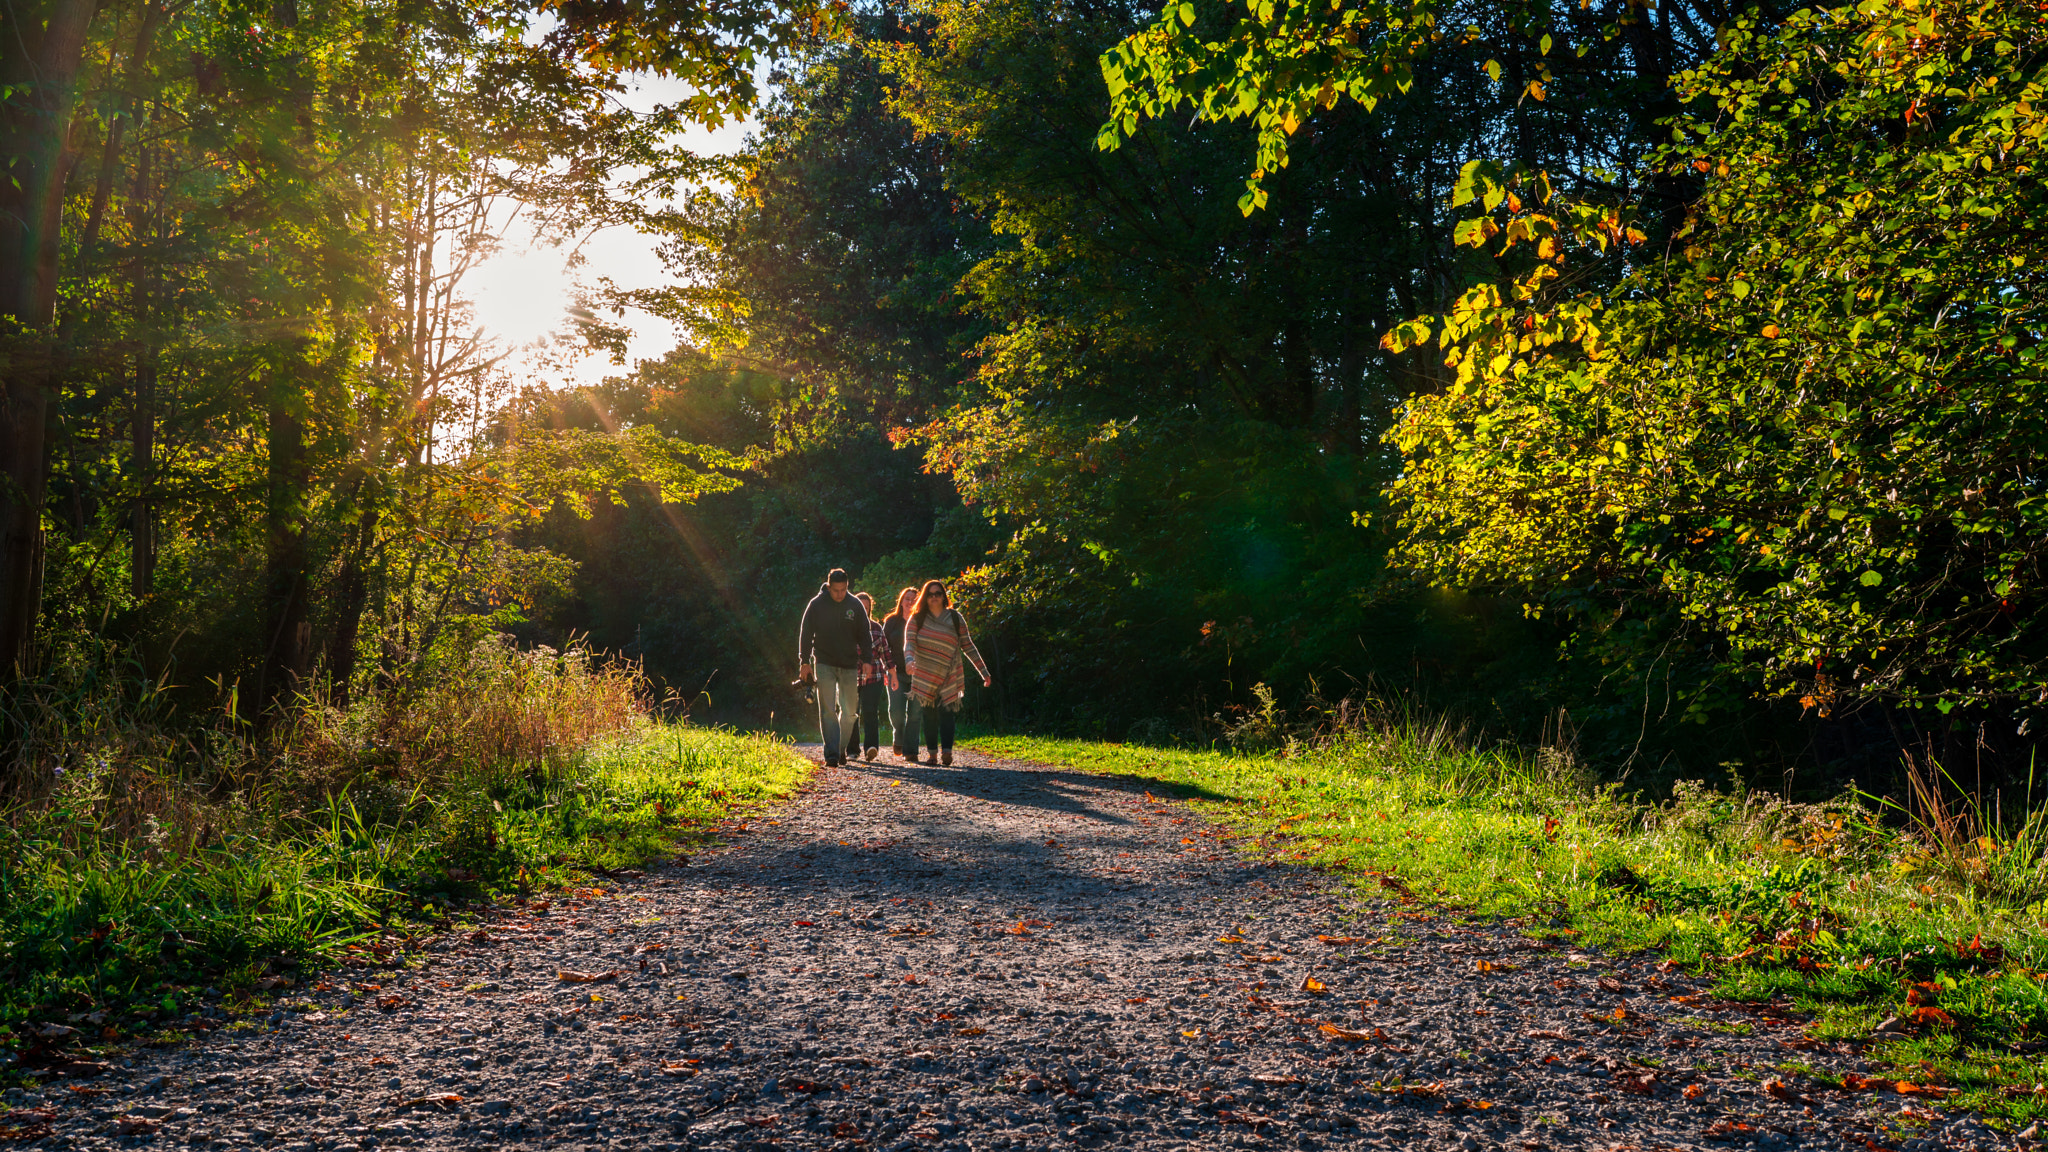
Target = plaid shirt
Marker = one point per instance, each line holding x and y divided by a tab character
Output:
882	662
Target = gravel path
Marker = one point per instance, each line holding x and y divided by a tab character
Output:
992	956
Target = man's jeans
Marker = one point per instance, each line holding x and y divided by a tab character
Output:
838	697
903	710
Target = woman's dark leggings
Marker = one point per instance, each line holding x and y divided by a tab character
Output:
938	726
870	722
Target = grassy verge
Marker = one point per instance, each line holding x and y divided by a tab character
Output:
179	928
1824	906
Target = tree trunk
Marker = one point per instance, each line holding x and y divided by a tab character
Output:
288	633
142	453
351	598
40	53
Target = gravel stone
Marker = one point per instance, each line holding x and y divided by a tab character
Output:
993	956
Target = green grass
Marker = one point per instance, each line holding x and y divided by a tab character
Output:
119	933
1826	906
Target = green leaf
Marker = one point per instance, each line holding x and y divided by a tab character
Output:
1870	579
1545	44
1493	70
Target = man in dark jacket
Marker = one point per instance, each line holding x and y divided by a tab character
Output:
835	637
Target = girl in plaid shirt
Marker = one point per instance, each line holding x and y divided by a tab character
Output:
869	722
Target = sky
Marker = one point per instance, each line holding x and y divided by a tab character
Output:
525	290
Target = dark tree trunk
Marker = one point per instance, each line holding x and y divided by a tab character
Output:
40	53
287	630
142	452
351	598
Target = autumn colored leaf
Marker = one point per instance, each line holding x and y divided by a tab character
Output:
1336	1032
1694	1091
1933	1016
1342	941
1311	984
1779	1090
438	1099
569	976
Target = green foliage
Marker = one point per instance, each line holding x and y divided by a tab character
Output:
1818	903
1809	428
133	874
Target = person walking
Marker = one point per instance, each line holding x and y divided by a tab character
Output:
940	650
903	710
872	688
834	635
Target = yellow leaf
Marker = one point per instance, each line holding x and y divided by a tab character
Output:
1311	984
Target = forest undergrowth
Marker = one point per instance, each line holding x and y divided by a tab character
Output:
160	877
1918	928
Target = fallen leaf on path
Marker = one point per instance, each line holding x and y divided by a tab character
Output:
764	1121
681	1071
442	1099
1490	966
970	1032
1311	984
135	1126
1230	939
1779	1090
569	976
1546	1034
1610	984
1336	1032
1342	941
1275	1078
1694	1091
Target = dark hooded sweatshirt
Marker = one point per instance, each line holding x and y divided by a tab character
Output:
835	633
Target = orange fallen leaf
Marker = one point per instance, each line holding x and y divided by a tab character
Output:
970	1032
1778	1089
1490	966
1933	1016
1694	1091
1336	1032
568	976
1340	941
443	1099
683	1071
1311	984
1230	939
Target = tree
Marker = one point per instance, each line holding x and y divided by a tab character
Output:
1815	429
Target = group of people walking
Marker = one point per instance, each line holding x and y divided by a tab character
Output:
917	656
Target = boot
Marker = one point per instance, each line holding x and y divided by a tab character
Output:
946	757
872	753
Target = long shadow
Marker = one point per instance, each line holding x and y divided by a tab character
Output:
1039	787
1006	863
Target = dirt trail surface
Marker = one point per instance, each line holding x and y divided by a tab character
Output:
993	956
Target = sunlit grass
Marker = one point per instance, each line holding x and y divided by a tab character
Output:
96	920
1823	905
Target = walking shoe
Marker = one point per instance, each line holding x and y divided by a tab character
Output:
872	753
946	758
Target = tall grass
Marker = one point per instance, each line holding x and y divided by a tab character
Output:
145	856
1921	924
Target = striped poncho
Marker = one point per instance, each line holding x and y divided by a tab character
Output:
938	672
